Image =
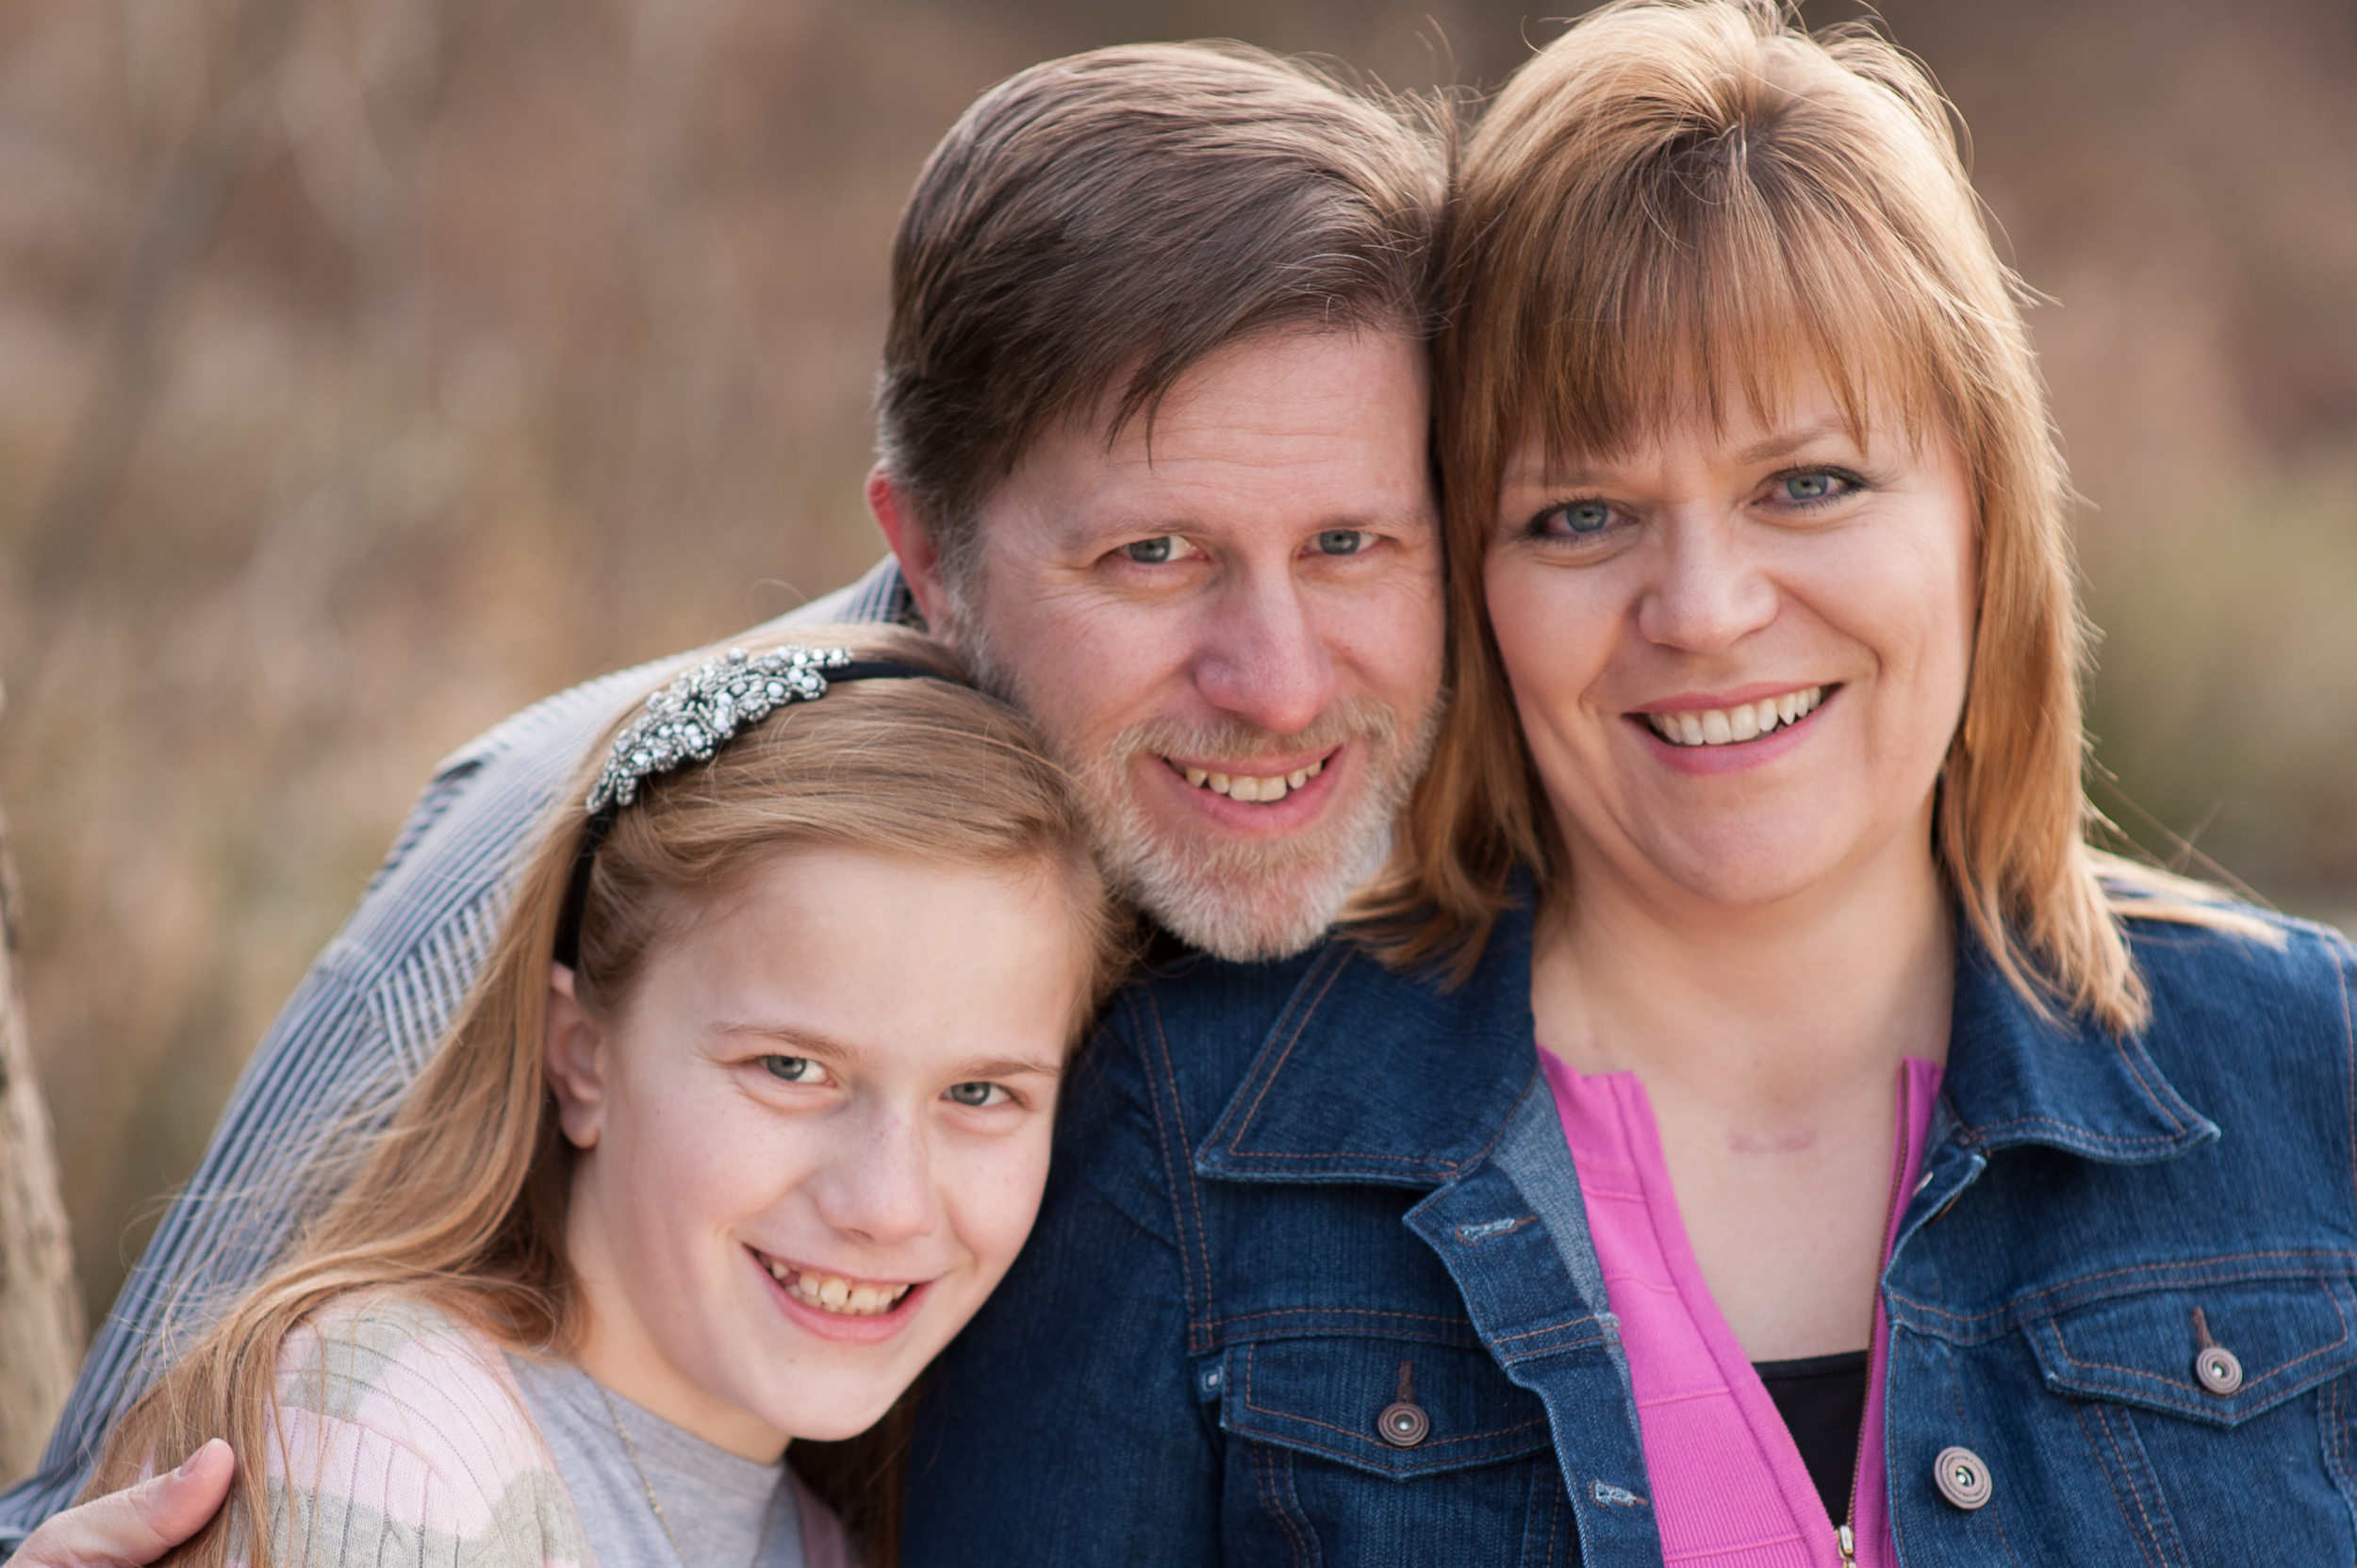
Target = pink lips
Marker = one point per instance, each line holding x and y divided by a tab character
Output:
1736	756
842	1327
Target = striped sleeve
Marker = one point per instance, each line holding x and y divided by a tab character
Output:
353	1036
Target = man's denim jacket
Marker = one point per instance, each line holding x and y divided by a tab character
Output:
1288	1197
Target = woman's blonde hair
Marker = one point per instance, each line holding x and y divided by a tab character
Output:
460	1201
1688	199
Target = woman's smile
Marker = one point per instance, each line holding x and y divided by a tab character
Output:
1723	687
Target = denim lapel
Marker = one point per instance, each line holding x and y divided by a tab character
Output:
1371	1075
2014	1078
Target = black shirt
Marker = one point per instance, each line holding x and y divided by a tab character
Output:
1822	1400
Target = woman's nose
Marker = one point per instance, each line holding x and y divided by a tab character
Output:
1707	592
878	1185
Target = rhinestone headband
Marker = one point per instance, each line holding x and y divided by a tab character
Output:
695	716
690	720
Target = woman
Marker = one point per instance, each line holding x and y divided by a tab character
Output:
748	1112
1935	1185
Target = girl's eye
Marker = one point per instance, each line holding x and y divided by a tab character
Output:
978	1094
1344	541
1578	519
1153	551
1813	484
794	1069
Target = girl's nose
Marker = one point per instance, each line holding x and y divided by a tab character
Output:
878	1185
1707	592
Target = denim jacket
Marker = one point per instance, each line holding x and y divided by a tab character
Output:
1290	1197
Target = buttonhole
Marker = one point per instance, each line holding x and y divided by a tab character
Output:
1616	1496
1470	1234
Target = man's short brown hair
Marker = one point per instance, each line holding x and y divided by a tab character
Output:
1114	218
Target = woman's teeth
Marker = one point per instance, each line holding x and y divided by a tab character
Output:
1744	721
1244	787
832	1293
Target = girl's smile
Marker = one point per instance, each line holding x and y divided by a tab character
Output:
811	1137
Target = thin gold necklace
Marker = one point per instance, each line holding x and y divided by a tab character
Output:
632	1450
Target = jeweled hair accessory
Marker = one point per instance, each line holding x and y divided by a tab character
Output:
695	716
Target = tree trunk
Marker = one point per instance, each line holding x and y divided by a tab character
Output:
41	1310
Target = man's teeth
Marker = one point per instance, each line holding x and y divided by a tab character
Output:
1744	721
832	1293
1245	786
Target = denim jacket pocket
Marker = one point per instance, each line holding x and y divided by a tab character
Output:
2160	1349
1393	1407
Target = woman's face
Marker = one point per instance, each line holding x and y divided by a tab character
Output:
813	1138
1738	653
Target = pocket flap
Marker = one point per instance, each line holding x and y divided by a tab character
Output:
1329	1397
2285	1336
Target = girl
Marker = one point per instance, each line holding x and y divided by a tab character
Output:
747	1114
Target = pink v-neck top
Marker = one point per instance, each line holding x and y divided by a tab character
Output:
1729	1490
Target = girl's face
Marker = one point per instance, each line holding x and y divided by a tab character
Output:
813	1138
1738	653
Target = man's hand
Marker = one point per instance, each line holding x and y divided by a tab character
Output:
134	1526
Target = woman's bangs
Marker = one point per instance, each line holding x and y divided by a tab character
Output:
1743	313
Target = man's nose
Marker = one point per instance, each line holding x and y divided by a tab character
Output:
1707	591
878	1184
1262	658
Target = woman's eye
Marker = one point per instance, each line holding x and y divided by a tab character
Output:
794	1069
978	1094
1344	541
1578	519
1813	484
1153	551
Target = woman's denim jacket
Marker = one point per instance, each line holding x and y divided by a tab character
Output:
1288	1197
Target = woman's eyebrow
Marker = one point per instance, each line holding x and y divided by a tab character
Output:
1785	441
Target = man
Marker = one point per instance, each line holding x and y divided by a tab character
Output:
1153	429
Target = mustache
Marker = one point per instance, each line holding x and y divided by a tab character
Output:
1231	740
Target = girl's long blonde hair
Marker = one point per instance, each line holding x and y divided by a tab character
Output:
460	1201
1689	198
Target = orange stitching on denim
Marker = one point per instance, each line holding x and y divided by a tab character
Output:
2272	1371
1193	1197
2146	1542
2015	1312
1335	959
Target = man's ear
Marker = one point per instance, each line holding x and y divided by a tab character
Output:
575	1061
919	563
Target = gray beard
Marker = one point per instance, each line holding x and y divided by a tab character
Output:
1241	901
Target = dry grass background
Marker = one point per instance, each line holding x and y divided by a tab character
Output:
368	367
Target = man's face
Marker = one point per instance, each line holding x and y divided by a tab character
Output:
1231	635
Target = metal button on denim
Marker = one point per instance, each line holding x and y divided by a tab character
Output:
2219	1370
1961	1476
1403	1422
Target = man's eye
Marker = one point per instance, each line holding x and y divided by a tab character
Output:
977	1094
1579	518
1344	541
1153	551
794	1069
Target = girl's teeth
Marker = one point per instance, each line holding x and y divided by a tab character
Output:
1733	725
833	1293
1241	786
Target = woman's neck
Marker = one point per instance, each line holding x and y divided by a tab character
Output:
1761	1010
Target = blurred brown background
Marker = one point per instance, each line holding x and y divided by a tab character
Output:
370	367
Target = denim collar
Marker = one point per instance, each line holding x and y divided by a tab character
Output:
1374	1076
